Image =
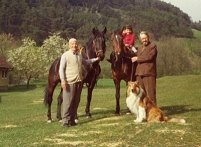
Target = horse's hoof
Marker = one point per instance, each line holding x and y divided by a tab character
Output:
60	120
128	112
49	121
89	116
116	113
76	121
59	117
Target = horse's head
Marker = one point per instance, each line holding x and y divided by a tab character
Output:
117	44
98	44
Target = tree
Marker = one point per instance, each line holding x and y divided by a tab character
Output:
7	43
35	25
11	19
113	24
52	48
174	58
30	61
27	60
37	18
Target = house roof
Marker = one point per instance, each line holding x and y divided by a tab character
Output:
4	64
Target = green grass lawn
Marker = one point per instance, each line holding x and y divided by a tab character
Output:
23	120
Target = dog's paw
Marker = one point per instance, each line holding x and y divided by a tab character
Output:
137	121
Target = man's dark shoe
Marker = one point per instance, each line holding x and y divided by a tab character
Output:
73	124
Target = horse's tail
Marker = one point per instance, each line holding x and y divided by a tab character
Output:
46	99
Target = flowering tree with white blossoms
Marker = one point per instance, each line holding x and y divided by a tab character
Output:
52	48
26	60
30	61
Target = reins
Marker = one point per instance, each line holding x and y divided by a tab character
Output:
132	71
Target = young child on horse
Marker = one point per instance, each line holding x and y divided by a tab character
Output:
129	38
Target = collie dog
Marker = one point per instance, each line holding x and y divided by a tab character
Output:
142	106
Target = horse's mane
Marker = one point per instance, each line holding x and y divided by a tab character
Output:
90	40
118	32
94	34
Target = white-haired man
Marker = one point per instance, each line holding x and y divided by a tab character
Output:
71	75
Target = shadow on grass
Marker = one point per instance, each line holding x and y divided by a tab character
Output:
103	114
177	109
98	115
168	111
22	88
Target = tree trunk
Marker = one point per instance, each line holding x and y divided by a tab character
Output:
28	80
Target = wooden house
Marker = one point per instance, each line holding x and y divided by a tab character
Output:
5	67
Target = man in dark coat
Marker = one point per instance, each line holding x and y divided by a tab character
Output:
146	67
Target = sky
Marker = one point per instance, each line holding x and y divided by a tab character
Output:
190	7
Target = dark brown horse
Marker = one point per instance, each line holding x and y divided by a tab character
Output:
121	65
95	47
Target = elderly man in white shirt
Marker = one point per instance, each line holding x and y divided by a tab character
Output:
71	75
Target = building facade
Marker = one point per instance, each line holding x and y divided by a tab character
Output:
5	67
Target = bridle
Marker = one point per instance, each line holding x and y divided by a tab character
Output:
122	47
97	50
118	41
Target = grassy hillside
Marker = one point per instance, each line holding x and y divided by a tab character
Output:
23	118
197	34
36	19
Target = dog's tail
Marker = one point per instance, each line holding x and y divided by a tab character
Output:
176	120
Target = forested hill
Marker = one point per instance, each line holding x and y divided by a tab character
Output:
76	18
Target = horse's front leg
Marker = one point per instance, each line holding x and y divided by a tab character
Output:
89	96
59	102
117	86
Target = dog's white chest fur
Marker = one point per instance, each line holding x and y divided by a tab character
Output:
133	104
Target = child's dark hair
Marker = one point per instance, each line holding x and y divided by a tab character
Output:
129	27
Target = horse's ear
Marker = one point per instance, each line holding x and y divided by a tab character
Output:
94	31
105	30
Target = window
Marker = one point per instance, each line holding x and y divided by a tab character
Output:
4	73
